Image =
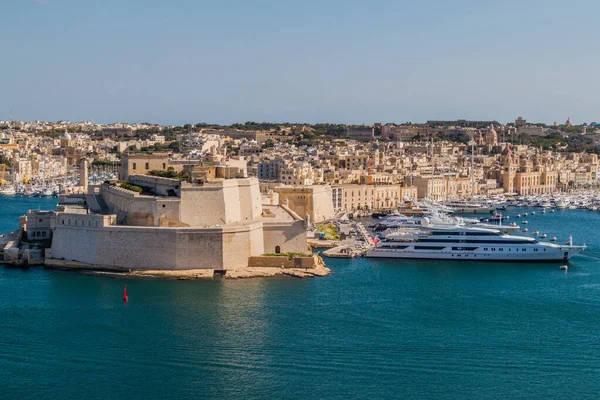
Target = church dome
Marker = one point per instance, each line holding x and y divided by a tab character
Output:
66	135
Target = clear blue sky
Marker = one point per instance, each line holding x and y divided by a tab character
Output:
300	61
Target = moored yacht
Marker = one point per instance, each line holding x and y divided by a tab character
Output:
439	242
464	207
7	190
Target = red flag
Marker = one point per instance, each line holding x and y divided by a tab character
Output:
376	240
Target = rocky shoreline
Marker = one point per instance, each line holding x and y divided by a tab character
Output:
318	270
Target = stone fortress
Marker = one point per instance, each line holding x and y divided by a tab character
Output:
218	224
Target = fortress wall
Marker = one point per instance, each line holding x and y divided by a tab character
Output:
140	210
144	249
82	220
290	238
231	197
167	208
239	245
202	208
159	185
158	248
214	203
197	250
250	199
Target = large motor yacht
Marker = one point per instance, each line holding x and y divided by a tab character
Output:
444	242
464	207
398	220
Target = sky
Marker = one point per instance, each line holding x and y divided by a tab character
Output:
347	61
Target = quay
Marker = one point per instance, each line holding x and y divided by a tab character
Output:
352	246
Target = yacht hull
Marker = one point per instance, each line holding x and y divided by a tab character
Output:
508	254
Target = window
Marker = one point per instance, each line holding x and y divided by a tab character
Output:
41	220
277	249
164	165
134	165
147	165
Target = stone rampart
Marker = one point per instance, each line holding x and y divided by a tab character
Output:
128	247
134	209
159	185
284	237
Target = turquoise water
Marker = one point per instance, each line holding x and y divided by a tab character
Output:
373	329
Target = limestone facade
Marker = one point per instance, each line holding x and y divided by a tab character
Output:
217	225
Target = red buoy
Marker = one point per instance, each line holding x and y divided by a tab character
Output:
125	298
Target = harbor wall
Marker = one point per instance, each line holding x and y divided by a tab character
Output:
150	248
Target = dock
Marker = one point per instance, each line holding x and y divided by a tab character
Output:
350	248
344	252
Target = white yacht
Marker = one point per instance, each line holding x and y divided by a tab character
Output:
439	242
397	220
464	207
7	190
562	204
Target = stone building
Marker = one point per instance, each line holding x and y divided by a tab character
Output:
313	201
526	175
370	197
143	163
173	225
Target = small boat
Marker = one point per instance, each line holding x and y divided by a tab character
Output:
551	210
533	213
543	236
564	267
524	222
536	233
524	230
553	239
526	214
518	215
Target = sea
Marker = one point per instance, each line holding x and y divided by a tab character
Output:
373	329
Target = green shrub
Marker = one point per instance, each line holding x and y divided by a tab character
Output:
131	187
330	232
